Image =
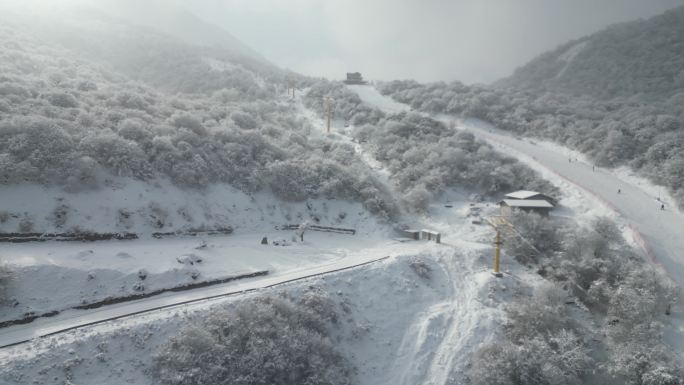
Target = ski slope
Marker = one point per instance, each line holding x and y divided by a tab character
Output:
372	97
657	232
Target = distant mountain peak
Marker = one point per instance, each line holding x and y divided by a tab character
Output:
643	57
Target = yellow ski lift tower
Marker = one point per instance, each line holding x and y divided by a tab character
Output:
498	223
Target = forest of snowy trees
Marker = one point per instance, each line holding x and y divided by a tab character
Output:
642	59
274	339
647	136
590	270
71	123
424	156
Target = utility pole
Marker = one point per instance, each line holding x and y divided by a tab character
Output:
290	85
497	254
328	110
498	223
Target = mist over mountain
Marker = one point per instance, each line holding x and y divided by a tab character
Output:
168	17
163	46
643	57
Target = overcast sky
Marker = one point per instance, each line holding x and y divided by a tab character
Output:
427	40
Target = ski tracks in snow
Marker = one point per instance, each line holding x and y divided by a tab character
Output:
440	338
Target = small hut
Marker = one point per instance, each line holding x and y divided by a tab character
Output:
412	233
431	235
424	234
354	78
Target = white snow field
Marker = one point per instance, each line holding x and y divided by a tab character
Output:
637	205
371	96
398	327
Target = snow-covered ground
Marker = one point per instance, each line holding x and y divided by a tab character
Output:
127	205
412	330
76	273
60	275
371	96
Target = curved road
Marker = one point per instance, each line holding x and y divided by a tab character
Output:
662	230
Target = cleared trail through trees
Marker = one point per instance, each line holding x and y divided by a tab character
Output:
660	233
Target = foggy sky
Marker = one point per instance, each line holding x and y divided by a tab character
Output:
426	40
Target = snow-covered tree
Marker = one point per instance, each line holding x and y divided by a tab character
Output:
5	279
267	340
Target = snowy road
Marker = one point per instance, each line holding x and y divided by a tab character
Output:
660	233
72	319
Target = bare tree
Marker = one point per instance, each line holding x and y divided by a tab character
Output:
299	233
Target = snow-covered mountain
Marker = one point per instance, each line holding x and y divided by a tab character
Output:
617	96
643	57
139	121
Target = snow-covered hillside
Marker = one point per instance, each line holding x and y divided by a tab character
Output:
642	57
412	329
